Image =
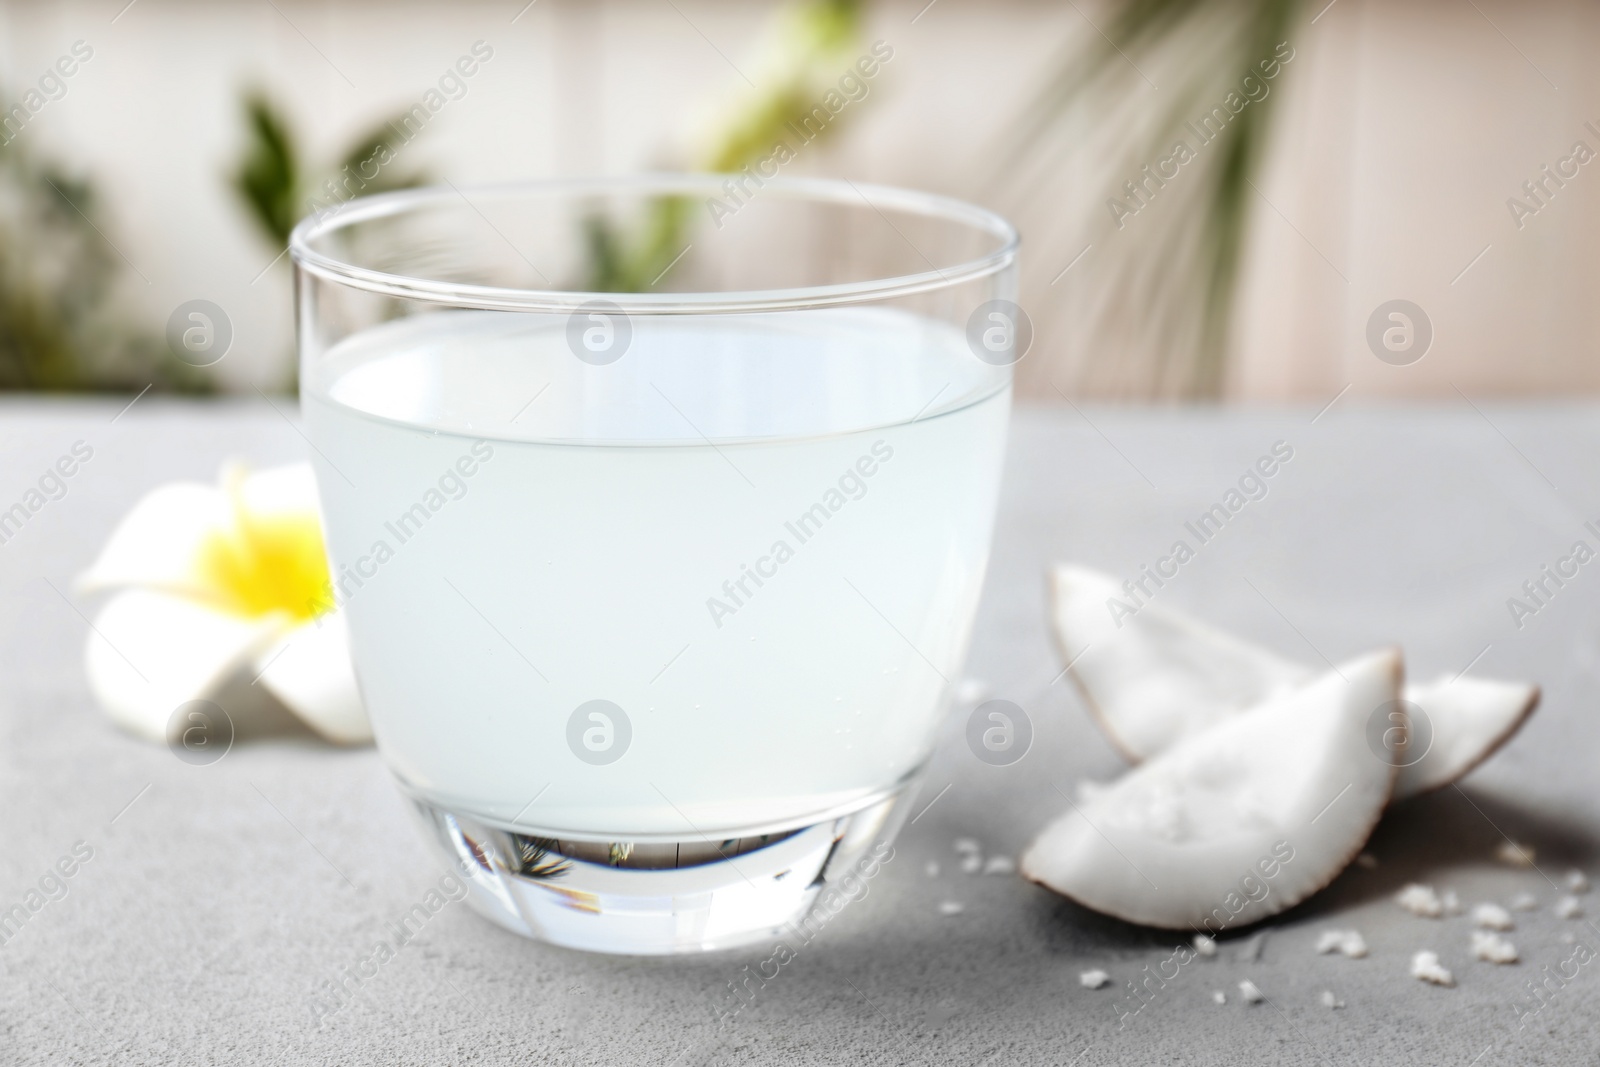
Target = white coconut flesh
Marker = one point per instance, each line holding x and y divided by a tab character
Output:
1468	720
1155	676
1236	823
1161	676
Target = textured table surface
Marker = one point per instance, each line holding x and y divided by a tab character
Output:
218	899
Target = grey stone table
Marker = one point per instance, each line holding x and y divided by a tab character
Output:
218	899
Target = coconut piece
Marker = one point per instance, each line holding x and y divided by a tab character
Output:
1524	902
1345	942
1094	979
1330	1001
1514	854
1153	676
1468	720
1425	966
1420	900
1250	993
1218	997
1204	946
1492	917
999	865
1156	676
951	907
1281	797
1450	902
1577	881
1490	947
1569	908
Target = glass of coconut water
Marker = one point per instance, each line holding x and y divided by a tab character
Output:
658	510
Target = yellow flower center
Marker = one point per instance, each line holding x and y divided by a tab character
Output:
267	563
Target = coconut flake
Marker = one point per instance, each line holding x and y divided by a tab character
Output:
999	865
1569	908
1345	942
1524	902
1096	979
1513	854
1218	997
1492	917
931	870
1450	902
1250	993
1490	947
951	907
1330	1001
1204	945
1420	900
1577	881
971	854
1425	966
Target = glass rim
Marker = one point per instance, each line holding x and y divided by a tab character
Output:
501	298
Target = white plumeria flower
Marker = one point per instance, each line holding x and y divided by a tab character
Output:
211	582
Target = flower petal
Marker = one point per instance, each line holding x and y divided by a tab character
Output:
272	557
309	670
158	544
252	547
151	652
277	490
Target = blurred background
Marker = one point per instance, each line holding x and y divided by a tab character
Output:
1334	157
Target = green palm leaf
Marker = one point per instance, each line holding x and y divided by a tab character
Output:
1175	281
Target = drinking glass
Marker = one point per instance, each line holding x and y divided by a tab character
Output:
658	509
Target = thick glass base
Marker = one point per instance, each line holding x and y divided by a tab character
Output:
659	897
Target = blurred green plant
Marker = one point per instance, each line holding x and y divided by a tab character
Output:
808	45
1176	287
60	327
278	189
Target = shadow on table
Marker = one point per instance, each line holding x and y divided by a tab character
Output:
1423	839
259	716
